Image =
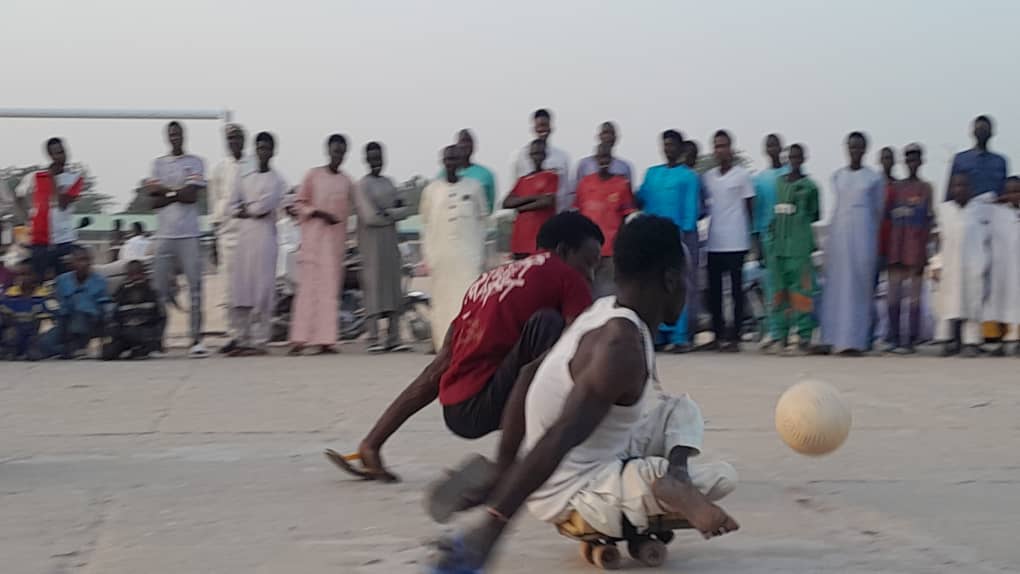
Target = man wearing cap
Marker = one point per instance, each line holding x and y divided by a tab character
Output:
221	184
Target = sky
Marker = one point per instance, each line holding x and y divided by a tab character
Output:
410	74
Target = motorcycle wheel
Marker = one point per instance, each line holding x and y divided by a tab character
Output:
417	320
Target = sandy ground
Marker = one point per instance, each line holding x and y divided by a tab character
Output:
181	466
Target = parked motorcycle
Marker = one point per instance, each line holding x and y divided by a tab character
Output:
352	320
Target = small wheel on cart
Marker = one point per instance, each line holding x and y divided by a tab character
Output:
651	553
606	557
666	537
586	549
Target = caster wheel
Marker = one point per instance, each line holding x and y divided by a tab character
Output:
607	557
586	549
651	553
666	537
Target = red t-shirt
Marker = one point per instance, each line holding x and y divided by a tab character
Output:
607	202
493	314
528	223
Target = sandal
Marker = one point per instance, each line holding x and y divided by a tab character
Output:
343	462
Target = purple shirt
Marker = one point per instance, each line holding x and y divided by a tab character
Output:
986	171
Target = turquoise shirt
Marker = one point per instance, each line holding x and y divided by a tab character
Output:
672	192
765	197
483	176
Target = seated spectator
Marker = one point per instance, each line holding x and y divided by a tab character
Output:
24	305
81	294
137	318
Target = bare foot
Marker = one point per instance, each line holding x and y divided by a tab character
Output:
682	497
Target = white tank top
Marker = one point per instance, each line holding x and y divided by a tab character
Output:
547	395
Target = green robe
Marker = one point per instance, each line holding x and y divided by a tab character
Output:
791	271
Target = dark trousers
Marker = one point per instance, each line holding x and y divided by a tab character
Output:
483	413
138	340
50	259
729	263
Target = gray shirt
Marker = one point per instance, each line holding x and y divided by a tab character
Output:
178	220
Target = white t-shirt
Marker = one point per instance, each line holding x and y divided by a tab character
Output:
729	229
62	228
134	249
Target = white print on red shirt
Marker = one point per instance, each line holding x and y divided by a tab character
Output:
503	279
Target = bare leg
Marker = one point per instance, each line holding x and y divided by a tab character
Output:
677	492
418	395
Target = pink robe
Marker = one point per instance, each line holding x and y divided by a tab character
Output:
320	257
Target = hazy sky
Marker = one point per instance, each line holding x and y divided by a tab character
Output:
410	73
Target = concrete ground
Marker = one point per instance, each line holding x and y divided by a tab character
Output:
182	466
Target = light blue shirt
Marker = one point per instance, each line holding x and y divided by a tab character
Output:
672	192
765	197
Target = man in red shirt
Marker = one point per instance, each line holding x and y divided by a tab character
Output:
510	317
607	200
534	199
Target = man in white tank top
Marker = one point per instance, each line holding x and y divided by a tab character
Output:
601	437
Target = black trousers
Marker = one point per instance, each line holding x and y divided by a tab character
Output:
726	263
483	413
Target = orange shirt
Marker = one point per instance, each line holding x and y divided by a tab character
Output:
607	202
527	224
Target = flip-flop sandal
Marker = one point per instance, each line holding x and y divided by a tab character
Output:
453	549
445	496
327	351
343	462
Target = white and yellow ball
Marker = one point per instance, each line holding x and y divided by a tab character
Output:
813	418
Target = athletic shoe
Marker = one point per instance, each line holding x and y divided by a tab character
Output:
773	347
376	349
198	351
398	348
970	352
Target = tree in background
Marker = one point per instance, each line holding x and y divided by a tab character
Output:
91	199
707	161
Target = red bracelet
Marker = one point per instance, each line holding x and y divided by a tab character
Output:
497	515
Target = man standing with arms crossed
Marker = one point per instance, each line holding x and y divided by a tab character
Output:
177	179
556	160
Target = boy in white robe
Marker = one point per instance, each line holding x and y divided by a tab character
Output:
963	285
1003	304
